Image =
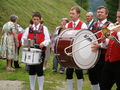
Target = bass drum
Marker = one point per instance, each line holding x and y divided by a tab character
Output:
81	54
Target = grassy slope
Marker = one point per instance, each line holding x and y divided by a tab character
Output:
52	11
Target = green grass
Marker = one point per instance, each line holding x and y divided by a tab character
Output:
51	10
53	81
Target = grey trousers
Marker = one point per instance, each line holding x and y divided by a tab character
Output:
55	65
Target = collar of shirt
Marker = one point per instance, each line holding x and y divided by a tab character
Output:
118	34
102	22
34	27
76	22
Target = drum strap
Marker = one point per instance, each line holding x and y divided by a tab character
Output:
96	28
106	24
35	36
59	30
35	32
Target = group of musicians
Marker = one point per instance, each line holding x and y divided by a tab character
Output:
104	74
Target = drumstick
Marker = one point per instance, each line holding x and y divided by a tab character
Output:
28	45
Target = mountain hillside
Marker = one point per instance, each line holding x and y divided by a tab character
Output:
51	10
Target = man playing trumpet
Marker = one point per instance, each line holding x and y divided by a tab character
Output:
95	72
111	72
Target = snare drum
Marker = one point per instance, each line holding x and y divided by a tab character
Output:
31	57
80	58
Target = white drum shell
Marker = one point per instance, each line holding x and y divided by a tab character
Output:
31	57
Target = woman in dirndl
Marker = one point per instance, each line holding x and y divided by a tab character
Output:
9	42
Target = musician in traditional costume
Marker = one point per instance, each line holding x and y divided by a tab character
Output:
40	35
111	72
75	24
95	72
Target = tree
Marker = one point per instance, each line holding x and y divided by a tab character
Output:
112	7
83	3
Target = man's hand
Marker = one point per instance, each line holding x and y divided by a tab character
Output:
95	47
117	29
17	44
41	45
103	37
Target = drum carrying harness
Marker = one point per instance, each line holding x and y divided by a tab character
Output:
35	32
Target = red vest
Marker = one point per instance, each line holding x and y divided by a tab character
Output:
113	51
96	29
19	38
39	36
78	27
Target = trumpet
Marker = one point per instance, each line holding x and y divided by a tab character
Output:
105	31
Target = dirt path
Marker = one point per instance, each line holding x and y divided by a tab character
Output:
64	86
17	85
10	85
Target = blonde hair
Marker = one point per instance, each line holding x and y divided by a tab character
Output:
76	8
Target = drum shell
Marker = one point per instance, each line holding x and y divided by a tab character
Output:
32	57
64	40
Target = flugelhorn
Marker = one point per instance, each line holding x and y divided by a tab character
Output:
106	31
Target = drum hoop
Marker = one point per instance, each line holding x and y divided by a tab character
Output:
58	38
24	49
64	32
99	51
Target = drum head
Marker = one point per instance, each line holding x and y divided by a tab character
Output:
85	58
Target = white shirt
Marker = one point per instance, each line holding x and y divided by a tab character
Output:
46	33
103	22
84	26
118	34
